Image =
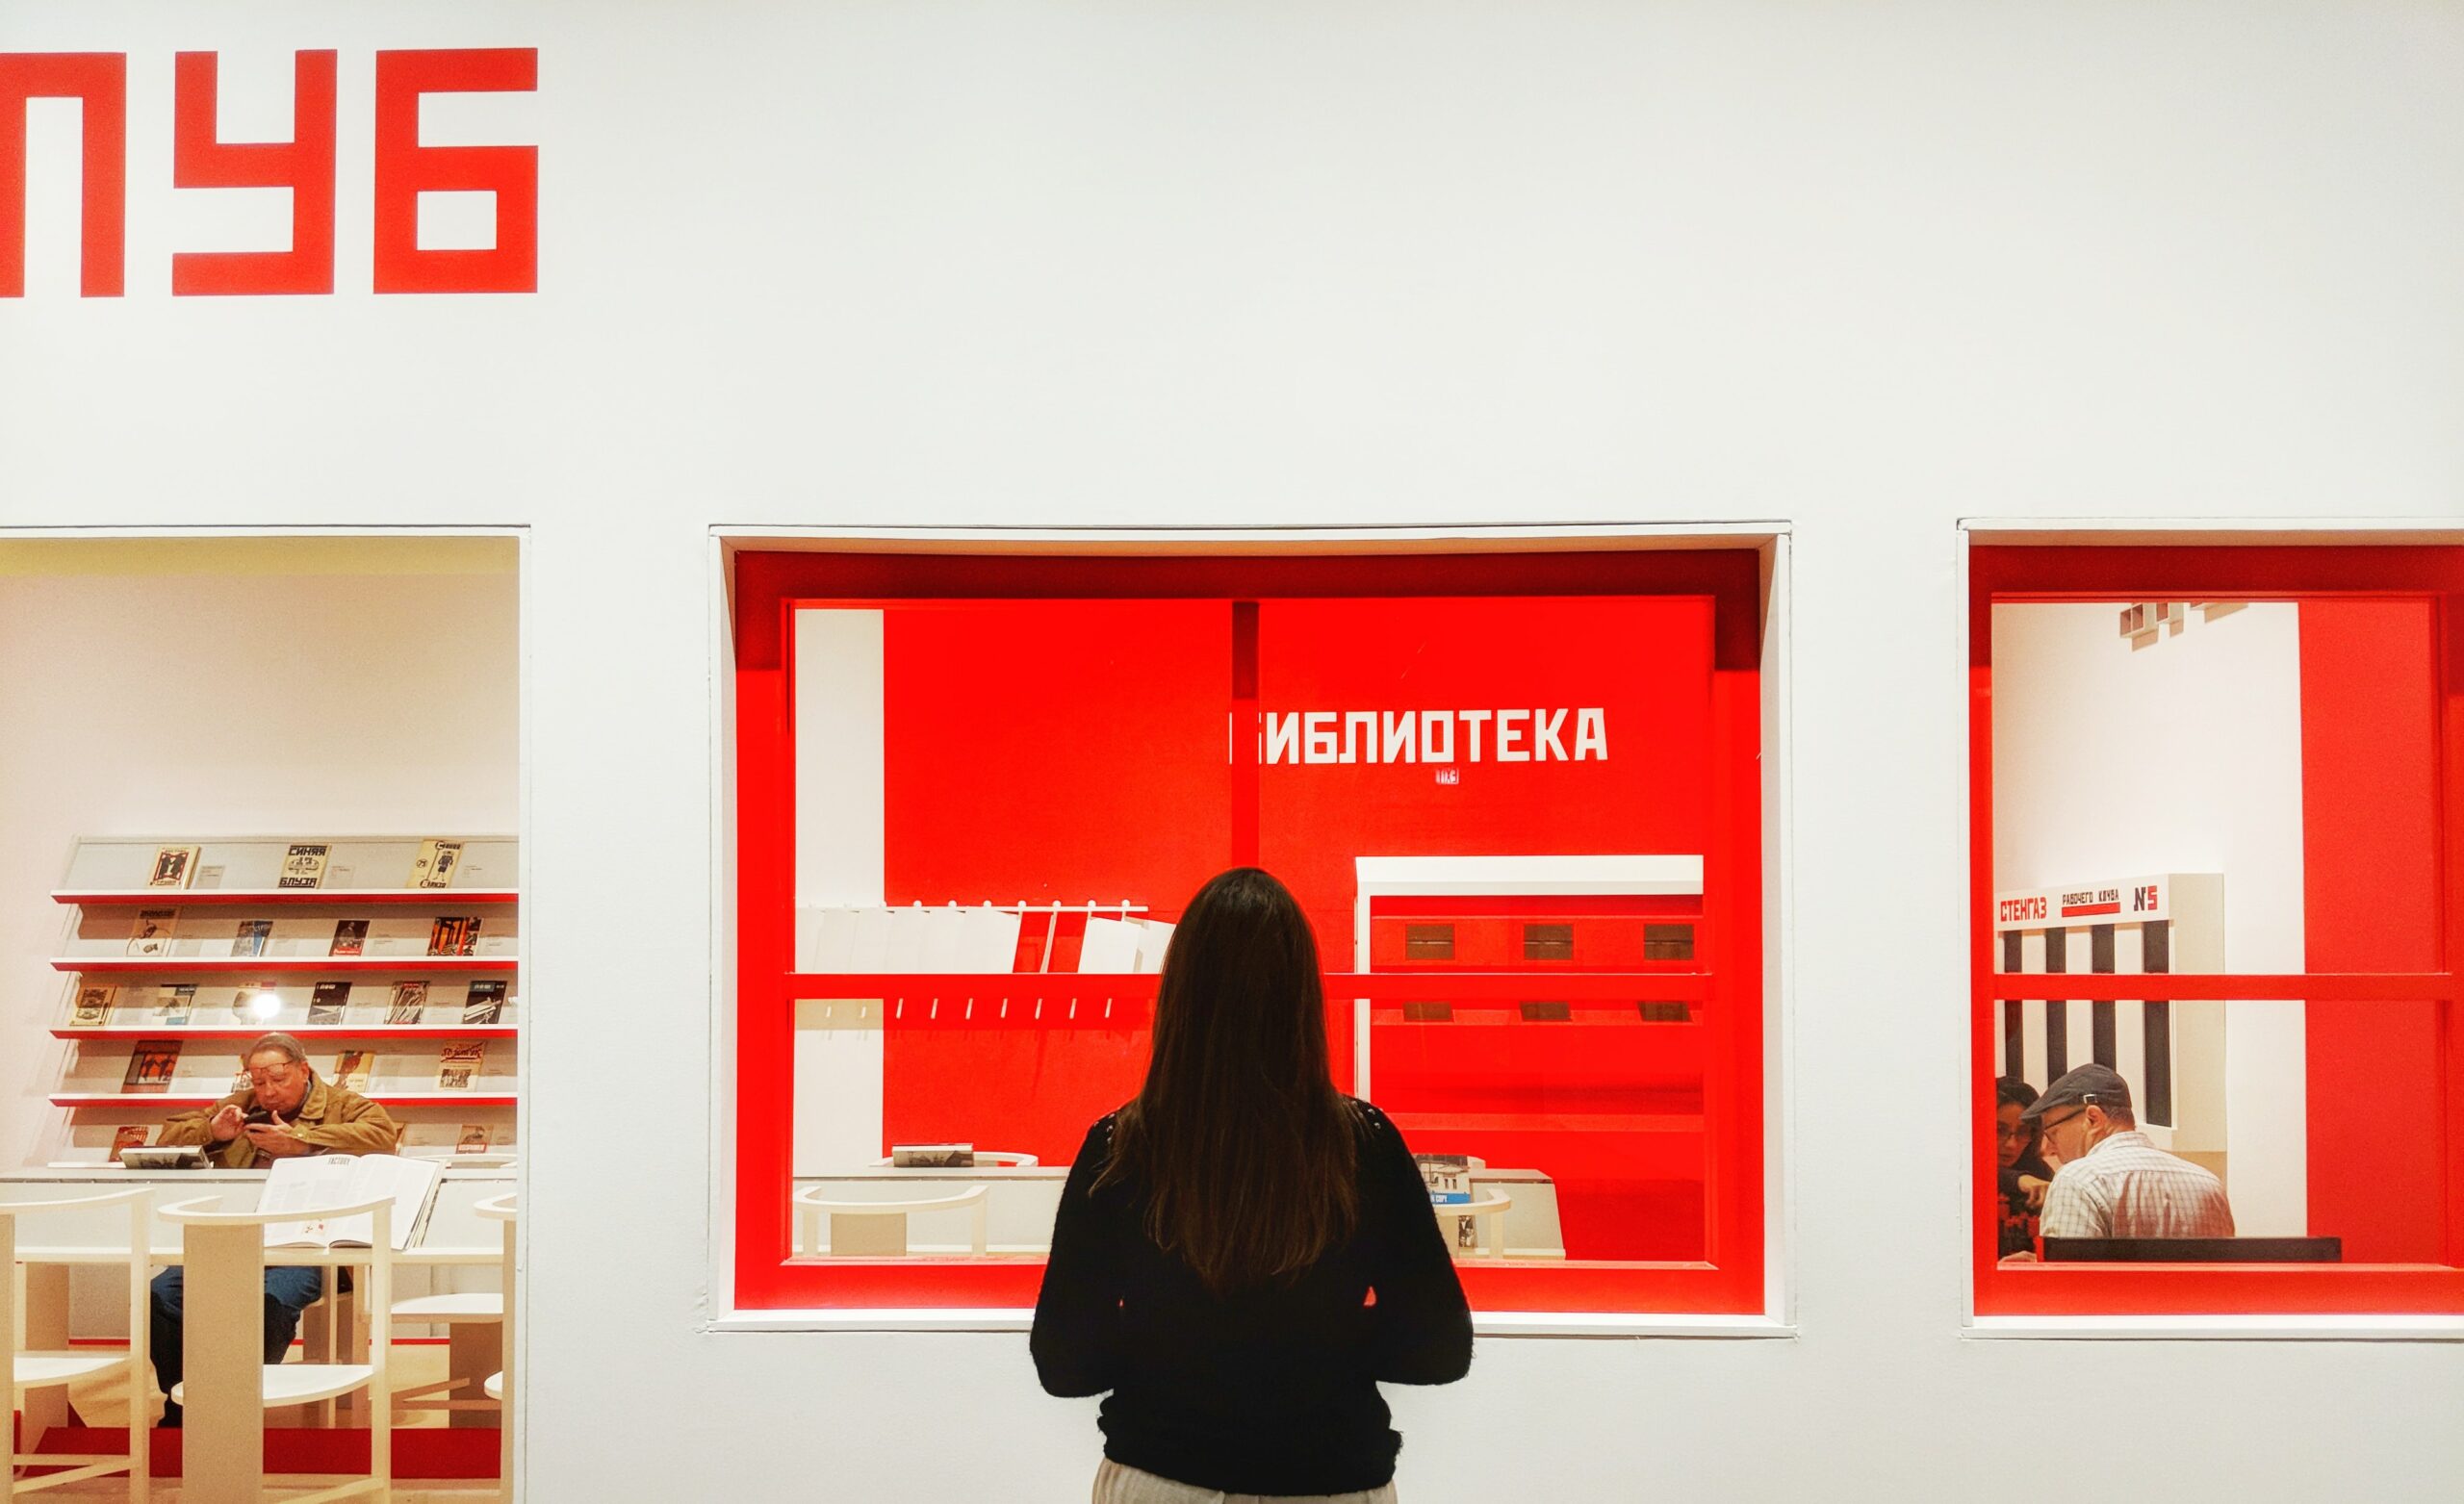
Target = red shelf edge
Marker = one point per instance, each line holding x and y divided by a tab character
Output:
179	898
184	1100
204	965
301	1031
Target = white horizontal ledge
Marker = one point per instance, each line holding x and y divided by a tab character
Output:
2260	1329
1556	1323
1485	1324
1261	538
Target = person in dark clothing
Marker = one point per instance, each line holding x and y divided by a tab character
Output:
2020	1172
1243	1253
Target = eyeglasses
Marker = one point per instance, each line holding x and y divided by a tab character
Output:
273	1074
2048	1125
2006	1133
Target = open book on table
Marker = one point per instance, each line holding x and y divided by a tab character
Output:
346	1179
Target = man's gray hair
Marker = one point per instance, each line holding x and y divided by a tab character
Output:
283	1044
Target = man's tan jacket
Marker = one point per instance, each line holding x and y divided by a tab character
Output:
334	1119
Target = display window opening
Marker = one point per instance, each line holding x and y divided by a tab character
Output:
1519	795
2213	846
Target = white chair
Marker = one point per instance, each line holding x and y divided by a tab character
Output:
33	1370
498	1385
476	1312
475	1323
228	1385
1487	1216
878	1229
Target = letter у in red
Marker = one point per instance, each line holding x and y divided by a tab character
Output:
303	164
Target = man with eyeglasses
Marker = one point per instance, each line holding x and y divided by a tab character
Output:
284	1111
2109	1180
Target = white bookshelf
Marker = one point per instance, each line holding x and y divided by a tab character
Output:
235	997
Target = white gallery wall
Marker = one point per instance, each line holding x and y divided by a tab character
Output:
188	689
1867	270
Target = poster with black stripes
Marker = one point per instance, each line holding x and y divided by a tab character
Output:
2172	1054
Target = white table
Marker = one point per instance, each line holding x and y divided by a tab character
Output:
459	1251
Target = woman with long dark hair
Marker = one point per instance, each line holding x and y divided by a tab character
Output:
1243	1253
2021	1174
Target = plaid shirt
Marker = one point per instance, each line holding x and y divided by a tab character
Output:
2127	1187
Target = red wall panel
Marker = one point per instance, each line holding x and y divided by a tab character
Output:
2370	746
1047	751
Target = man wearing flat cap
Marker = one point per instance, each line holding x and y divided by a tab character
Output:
2109	1181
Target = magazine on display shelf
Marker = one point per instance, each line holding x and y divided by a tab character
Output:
304	866
409	1003
458	1064
484	1002
93	1005
436	864
151	934
173	866
453	936
330	1002
150	1065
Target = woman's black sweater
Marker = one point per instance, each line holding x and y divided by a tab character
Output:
1267	1390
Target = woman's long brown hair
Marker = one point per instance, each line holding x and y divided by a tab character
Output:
1245	1152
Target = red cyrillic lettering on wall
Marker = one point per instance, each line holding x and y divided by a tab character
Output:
303	164
406	169
101	81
